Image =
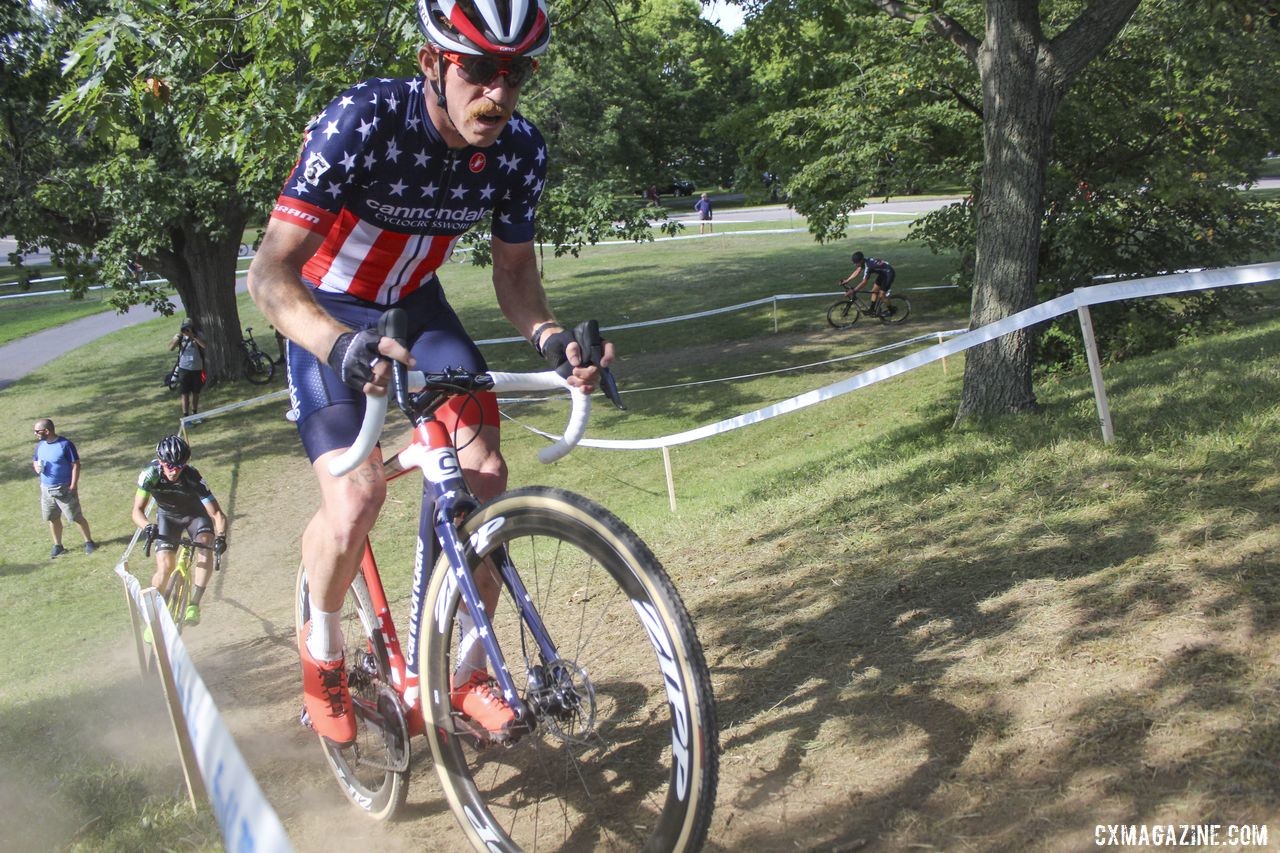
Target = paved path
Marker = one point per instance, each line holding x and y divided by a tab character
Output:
24	355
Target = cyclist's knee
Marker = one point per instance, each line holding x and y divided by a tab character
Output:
487	479
482	463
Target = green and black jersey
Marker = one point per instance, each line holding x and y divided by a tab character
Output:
187	496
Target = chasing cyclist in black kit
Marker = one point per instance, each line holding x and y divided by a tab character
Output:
867	267
184	504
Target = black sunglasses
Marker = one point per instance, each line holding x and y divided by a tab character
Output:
483	70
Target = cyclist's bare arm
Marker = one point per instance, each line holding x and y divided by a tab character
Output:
139	513
524	303
275	282
218	516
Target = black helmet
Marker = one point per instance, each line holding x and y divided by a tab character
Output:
857	257
173	450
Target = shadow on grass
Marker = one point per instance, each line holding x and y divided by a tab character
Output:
855	632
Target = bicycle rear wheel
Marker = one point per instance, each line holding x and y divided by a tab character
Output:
258	367
897	309
843	314
624	753
374	771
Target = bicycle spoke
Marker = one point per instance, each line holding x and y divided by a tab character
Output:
598	770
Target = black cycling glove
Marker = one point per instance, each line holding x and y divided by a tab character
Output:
353	356
587	334
219	545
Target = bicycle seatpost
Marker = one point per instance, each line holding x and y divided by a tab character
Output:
394	324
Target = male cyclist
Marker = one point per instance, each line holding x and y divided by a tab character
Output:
184	504
390	176
866	267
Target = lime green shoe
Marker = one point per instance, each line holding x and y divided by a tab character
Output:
192	615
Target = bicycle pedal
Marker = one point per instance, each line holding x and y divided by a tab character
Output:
478	736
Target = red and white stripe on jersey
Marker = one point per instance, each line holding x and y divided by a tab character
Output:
372	263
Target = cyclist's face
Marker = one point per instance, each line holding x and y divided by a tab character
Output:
171	472
474	114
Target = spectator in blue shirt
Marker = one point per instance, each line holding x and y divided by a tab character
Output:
56	461
703	206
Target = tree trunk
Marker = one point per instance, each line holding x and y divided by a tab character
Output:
1019	102
201	269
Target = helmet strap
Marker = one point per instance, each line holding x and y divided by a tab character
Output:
438	83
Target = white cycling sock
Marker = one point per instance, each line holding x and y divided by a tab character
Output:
325	640
471	656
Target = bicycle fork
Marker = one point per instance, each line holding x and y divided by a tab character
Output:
450	500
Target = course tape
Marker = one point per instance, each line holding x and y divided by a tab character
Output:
1096	294
245	818
710	312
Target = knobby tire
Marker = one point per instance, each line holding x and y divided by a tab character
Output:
843	314
362	768
178	593
259	368
899	310
599	771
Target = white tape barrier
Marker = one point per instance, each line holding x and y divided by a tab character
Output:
246	819
710	312
1137	288
186	421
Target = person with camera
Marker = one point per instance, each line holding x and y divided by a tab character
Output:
190	348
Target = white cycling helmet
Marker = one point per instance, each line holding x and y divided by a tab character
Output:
486	27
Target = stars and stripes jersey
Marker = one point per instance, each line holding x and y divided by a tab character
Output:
377	179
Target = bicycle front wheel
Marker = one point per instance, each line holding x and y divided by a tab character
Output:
623	755
179	592
896	310
258	368
843	314
374	771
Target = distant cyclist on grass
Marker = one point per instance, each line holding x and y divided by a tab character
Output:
184	504
867	267
390	176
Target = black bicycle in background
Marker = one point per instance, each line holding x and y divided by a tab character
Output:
258	366
844	313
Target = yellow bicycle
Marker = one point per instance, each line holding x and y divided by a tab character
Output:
177	592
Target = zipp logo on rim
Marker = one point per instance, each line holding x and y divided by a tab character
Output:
680	727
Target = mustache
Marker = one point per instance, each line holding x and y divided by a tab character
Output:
486	109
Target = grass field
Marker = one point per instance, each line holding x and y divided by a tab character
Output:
997	635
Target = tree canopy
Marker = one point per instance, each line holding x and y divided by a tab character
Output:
1074	162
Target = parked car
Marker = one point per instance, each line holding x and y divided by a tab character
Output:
680	187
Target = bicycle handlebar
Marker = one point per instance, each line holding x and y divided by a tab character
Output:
375	415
